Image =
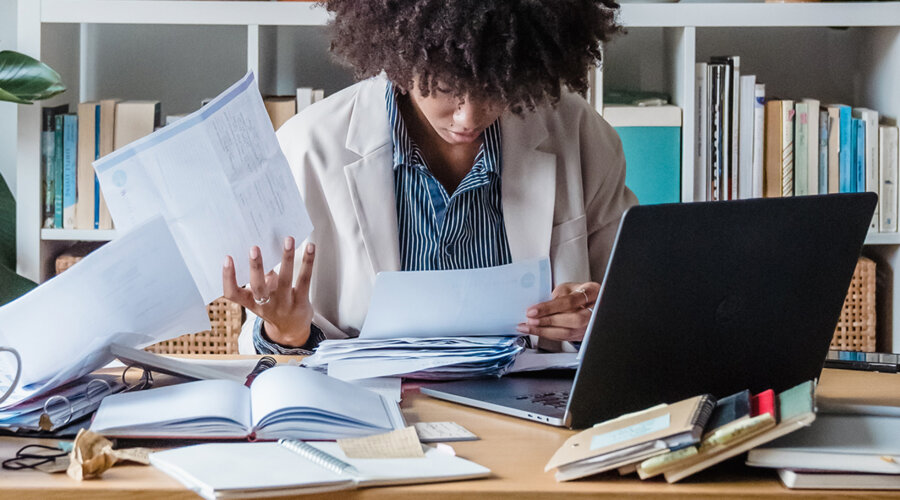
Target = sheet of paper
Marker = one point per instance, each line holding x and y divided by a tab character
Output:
221	181
468	302
402	443
530	360
389	387
134	290
352	369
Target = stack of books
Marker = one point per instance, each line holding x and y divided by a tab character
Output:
753	145
684	438
71	142
843	450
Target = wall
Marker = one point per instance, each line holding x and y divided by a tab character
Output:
8	110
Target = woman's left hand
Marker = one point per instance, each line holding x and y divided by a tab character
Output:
566	315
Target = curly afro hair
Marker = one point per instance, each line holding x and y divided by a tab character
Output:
519	52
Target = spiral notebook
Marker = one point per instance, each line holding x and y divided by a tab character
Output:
259	470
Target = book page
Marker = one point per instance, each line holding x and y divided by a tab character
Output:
310	400
221	181
144	413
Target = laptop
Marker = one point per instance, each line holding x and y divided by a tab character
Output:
712	297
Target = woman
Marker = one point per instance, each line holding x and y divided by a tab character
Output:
466	146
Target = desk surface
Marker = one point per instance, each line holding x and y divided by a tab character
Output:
515	450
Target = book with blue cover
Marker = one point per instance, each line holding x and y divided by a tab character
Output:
70	167
859	155
845	151
58	172
651	141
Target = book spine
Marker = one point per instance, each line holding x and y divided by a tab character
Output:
58	172
735	109
801	161
759	134
859	165
704	411
96	200
70	166
888	159
717	133
823	151
47	144
845	151
773	149
84	216
812	149
745	147
853	149
726	137
787	148
700	134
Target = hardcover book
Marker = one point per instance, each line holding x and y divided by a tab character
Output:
282	402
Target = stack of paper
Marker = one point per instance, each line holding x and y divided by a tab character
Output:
437	358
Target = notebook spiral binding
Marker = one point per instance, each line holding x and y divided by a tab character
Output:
316	456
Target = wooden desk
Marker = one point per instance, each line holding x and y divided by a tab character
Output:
515	450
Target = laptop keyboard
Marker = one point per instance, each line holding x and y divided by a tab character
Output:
556	400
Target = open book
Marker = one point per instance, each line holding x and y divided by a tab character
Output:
255	470
283	402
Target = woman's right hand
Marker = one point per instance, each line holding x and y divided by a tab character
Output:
285	309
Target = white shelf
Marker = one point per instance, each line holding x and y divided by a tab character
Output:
183	12
78	234
883	239
308	14
760	14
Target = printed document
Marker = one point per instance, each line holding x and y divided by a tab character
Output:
467	302
221	181
135	290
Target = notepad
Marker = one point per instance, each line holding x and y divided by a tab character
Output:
282	402
243	470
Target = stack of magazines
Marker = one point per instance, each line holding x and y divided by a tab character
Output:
436	358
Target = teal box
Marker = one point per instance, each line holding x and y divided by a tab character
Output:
651	140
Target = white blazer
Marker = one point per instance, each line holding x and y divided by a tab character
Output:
562	186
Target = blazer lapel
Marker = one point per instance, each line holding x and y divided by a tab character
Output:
370	179
528	187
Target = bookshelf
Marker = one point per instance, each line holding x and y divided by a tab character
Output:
180	51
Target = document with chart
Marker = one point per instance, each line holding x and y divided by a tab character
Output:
221	181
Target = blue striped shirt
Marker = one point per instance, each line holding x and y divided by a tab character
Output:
442	231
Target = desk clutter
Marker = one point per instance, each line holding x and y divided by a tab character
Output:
686	437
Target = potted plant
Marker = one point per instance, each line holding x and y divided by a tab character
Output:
23	80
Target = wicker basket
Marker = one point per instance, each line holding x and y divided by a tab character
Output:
855	330
226	318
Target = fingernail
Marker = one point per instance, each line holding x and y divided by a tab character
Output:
311	248
254	253
532	321
227	262
522	329
532	312
288	244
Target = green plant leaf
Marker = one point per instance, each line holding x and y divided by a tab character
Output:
27	79
6	96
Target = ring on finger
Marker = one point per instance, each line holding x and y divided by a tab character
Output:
586	299
263	301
